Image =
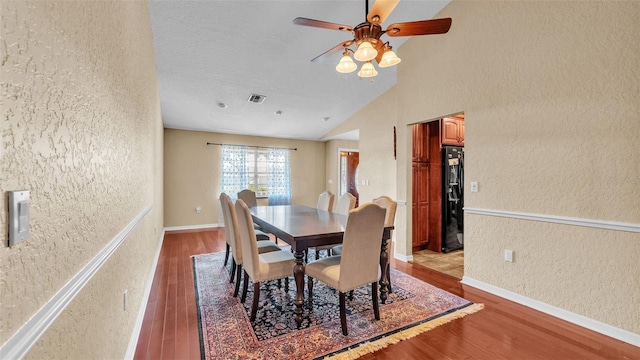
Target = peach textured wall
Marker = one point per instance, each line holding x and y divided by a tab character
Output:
82	131
192	173
550	92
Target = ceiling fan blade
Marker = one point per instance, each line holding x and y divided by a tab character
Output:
380	10
334	49
422	27
321	24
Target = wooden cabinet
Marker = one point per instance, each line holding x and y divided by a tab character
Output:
420	135
420	204
426	180
427	198
453	131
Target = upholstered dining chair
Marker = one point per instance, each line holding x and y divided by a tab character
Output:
325	201
232	236
249	198
390	205
359	262
258	266
345	203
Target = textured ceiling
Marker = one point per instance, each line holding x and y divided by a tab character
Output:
213	52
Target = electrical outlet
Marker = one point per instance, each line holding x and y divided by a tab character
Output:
508	255
474	186
125	301
198	210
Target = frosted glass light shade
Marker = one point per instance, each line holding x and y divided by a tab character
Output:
389	58
367	70
346	65
365	52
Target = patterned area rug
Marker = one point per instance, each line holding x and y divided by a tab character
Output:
226	333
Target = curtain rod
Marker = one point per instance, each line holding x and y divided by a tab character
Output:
254	146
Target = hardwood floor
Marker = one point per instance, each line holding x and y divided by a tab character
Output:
503	330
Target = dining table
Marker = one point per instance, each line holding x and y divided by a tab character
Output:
305	227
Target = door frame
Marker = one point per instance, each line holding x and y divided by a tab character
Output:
339	172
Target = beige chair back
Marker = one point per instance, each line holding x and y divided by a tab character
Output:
325	201
360	253
248	240
390	205
346	202
249	197
231	227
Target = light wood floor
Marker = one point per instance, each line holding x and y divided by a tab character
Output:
503	330
449	263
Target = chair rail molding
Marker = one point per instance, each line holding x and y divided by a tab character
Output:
600	224
21	342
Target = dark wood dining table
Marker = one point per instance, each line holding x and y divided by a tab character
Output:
303	227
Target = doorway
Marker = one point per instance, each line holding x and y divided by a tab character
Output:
348	173
437	197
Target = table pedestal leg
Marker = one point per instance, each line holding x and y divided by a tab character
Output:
298	274
384	261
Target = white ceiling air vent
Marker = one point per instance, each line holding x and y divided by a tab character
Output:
255	98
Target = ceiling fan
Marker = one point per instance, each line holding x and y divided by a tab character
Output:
367	37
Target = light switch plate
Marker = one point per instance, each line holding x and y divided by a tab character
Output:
18	216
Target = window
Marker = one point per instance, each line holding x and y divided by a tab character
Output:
267	172
258	175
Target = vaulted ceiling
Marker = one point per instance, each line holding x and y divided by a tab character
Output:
212	55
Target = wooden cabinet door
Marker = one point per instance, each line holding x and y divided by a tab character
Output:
420	214
420	133
452	131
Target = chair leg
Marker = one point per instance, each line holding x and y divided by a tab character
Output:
317	254
374	298
233	271
389	278
343	314
237	289
310	287
245	285
286	284
256	298
351	295
226	255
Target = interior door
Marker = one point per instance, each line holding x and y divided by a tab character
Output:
349	161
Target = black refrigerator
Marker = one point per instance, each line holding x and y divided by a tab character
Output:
452	198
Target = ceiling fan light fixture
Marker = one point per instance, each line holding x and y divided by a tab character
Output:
346	64
367	70
365	51
389	58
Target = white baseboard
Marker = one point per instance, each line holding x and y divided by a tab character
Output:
21	342
597	326
135	333
192	227
405	258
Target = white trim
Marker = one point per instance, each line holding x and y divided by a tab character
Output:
597	326
135	334
21	342
192	227
405	258
401	202
600	224
340	169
